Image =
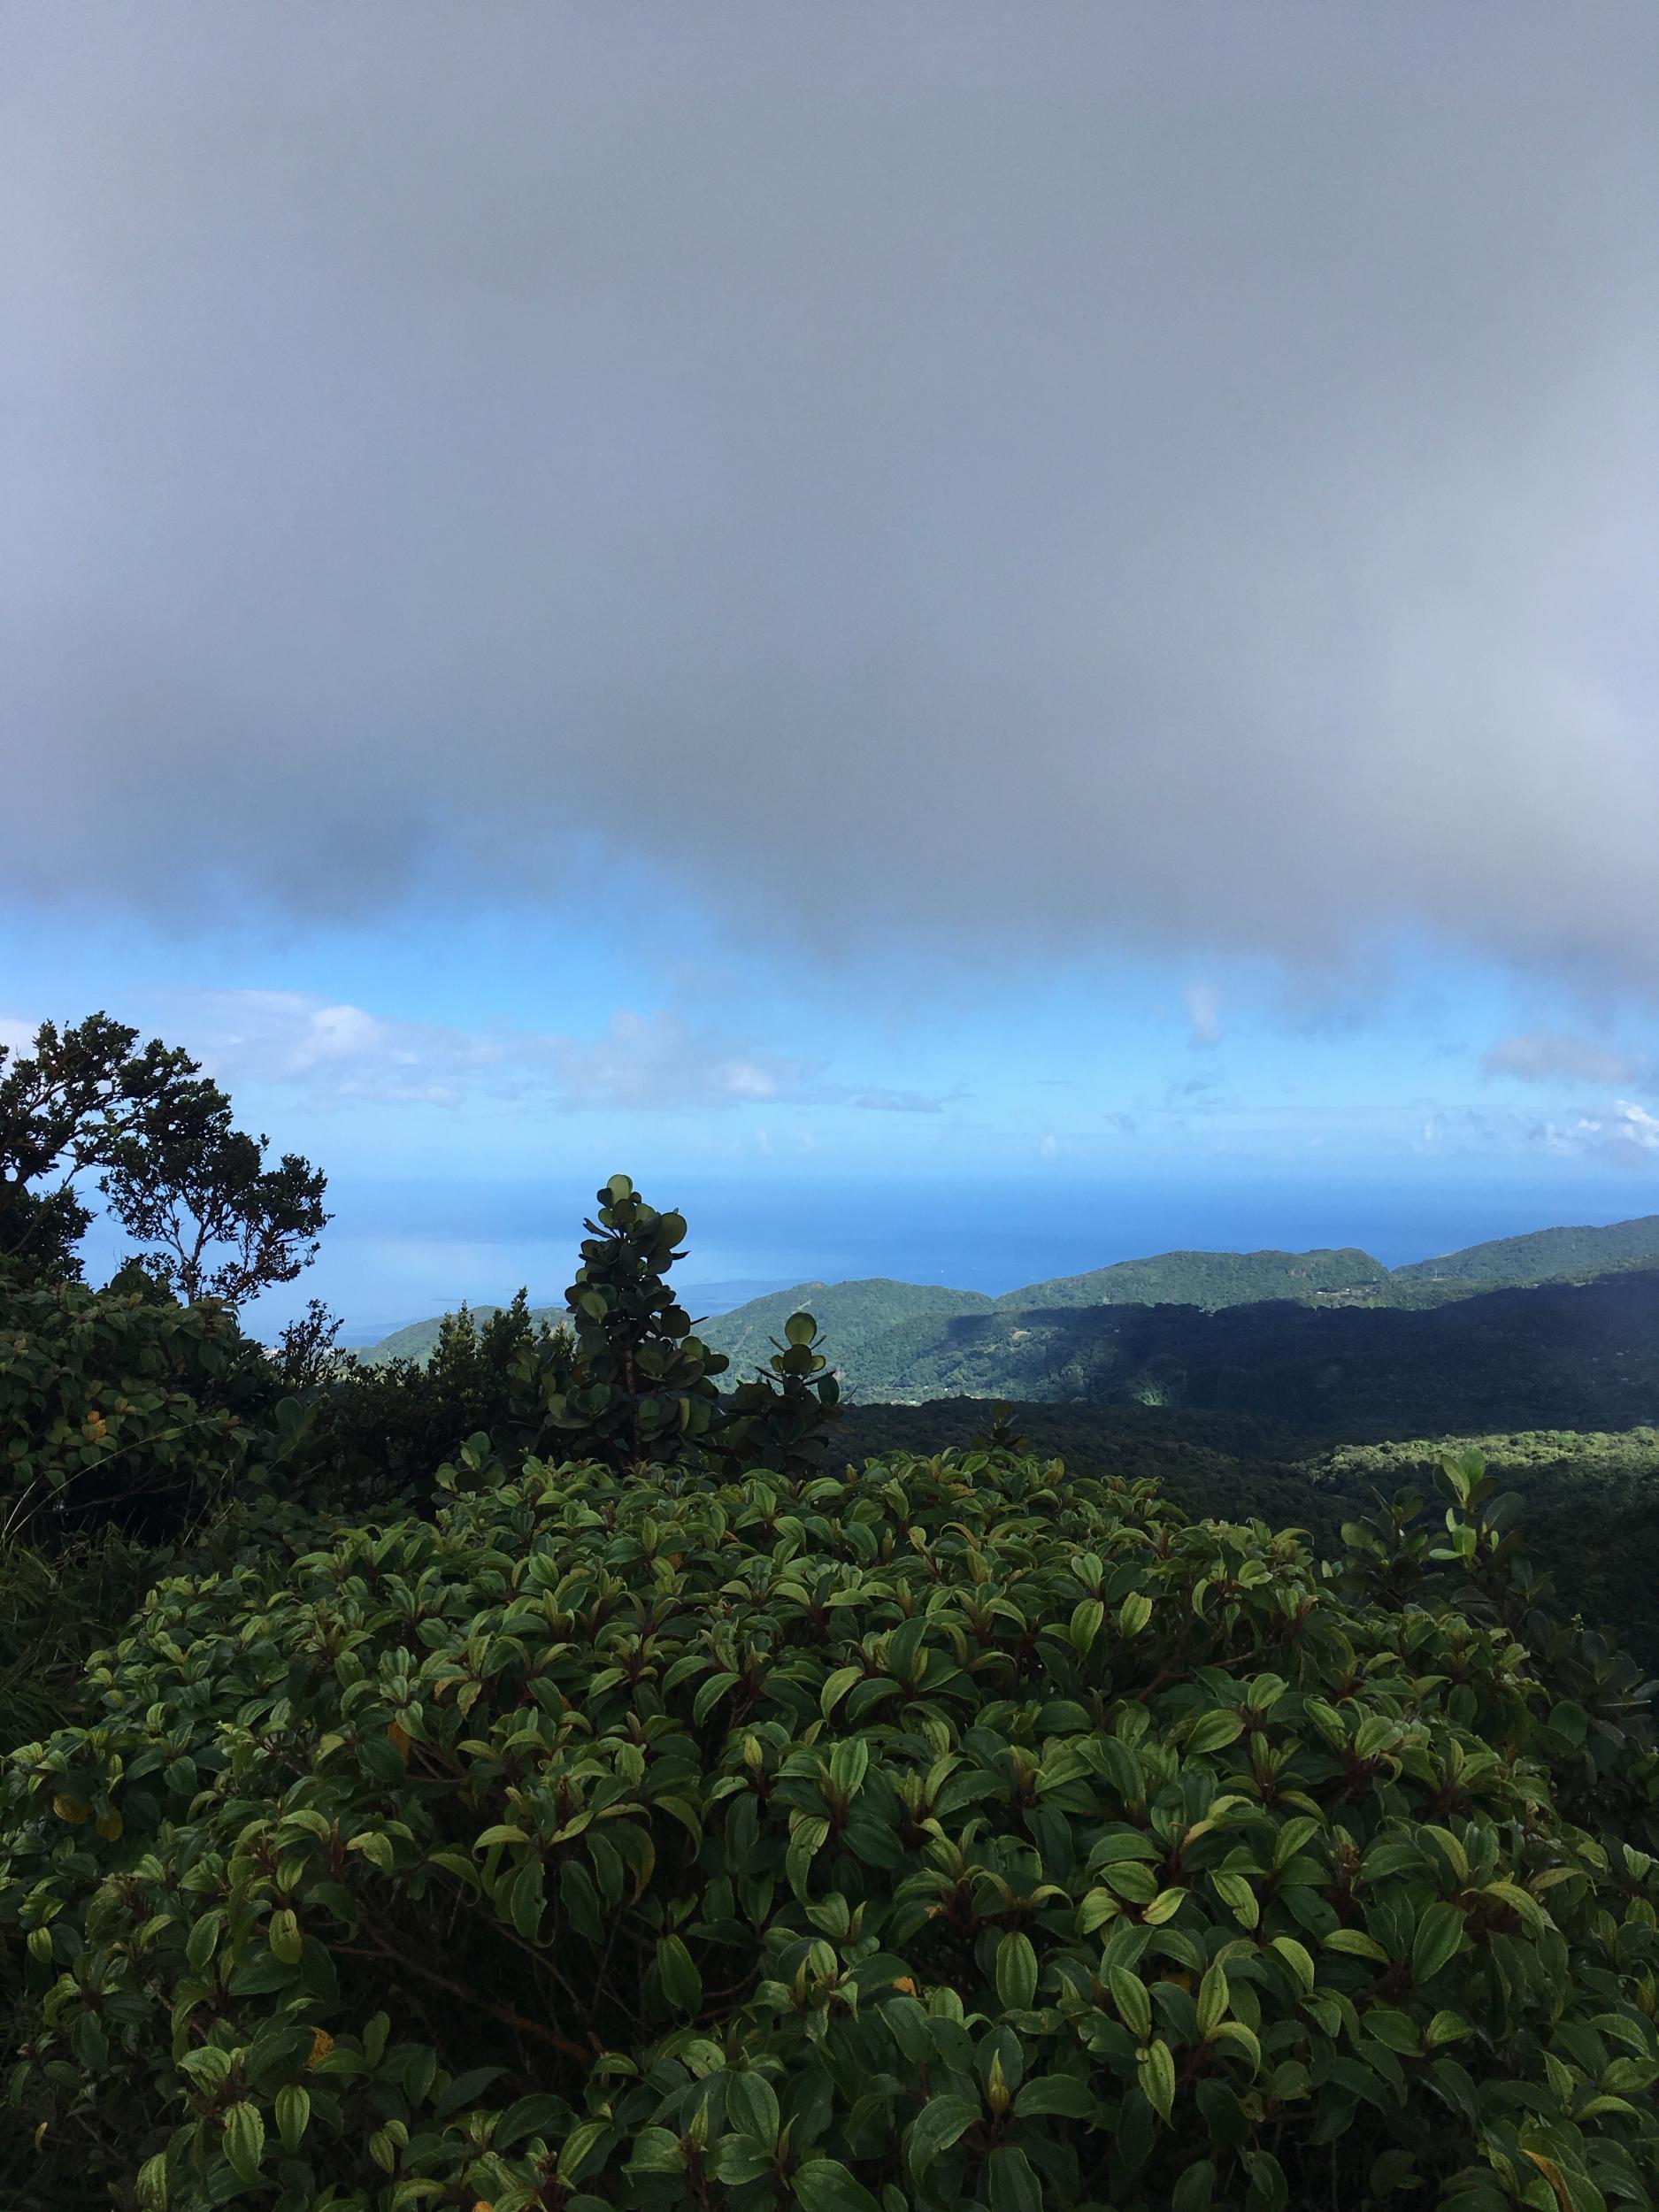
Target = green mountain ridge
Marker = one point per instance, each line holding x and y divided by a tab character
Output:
1208	1279
1073	1336
851	1315
1545	1255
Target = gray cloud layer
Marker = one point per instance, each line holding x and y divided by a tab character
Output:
1547	1057
1176	476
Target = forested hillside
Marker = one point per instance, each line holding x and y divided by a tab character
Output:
890	1339
1561	1356
1211	1280
1545	1255
851	1314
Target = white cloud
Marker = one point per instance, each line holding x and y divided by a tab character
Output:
643	1062
658	1059
1624	1134
1621	1134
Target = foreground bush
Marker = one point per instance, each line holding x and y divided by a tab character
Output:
957	1835
58	1606
122	1405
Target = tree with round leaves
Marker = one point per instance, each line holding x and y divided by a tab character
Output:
638	1387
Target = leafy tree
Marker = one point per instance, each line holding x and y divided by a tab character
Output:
472	1372
782	1417
84	1102
305	1350
219	1223
638	1385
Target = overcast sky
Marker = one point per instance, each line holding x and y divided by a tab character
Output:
976	584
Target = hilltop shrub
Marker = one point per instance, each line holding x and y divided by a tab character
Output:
637	1385
783	1416
122	1405
960	1835
380	1431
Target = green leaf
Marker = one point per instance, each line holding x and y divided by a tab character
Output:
203	1940
1133	1613
244	2140
152	2184
1298	1958
1213	1998
1572	1721
656	2151
1395	2030
1532	1913
682	1985
1193	2191
942	2122
293	2114
1157	2079
1133	2000
1058	2096
1439	1933
1015	1973
1234	2034
1087	1618
580	2148
539	2114
824	2184
465	2089
751	2104
1236	1894
710	1694
283	1935
525	1898
1354	1943
1213	1733
836	1688
1012	2185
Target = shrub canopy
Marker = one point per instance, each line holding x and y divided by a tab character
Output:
121	1403
960	1835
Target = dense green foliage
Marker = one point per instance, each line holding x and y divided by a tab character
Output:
1211	1280
418	1341
782	1417
669	1821
1591	1500
57	1605
380	1431
962	1834
122	1405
